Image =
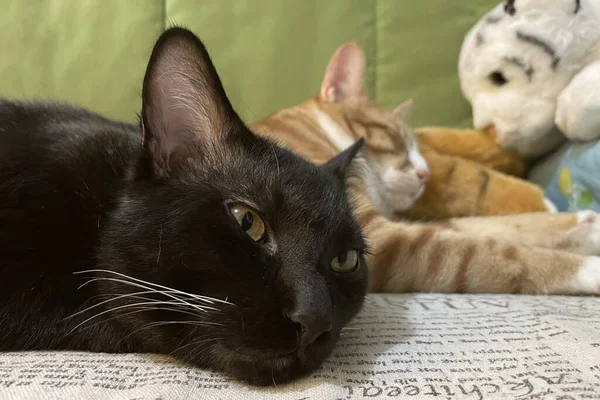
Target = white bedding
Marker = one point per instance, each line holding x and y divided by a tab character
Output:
421	346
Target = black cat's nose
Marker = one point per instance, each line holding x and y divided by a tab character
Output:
311	327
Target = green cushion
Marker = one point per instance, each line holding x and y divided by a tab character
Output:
92	53
270	54
418	43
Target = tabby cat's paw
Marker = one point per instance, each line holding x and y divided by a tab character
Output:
587	279
585	237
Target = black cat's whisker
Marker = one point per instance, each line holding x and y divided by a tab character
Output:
276	158
136	295
107	311
169	306
169	309
197	323
142	309
176	304
197	347
182	301
112	310
199	297
185	339
172	293
164	293
159	245
159	323
199	344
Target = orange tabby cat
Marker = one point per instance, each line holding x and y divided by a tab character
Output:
528	253
470	177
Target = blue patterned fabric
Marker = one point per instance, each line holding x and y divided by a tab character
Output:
575	184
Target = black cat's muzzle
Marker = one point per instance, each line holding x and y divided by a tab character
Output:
269	368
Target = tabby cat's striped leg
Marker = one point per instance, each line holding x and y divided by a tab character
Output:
575	232
463	188
420	257
472	144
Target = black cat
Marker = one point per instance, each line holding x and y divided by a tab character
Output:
186	234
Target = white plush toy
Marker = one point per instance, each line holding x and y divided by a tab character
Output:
531	68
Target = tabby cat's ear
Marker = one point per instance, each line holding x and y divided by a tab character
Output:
402	109
345	75
185	109
339	164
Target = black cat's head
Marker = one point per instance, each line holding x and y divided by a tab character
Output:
226	250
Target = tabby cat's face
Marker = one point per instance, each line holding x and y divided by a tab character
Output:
256	251
395	170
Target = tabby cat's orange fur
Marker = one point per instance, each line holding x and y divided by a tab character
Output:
528	253
472	176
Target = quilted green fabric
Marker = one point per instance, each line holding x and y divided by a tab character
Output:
270	54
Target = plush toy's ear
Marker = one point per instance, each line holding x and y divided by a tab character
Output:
345	75
509	7
578	105
403	108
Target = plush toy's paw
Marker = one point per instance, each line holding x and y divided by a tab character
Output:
584	238
578	105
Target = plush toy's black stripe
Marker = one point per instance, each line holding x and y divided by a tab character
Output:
479	39
528	69
509	7
548	49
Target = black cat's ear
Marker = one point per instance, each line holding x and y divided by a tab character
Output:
185	110
339	164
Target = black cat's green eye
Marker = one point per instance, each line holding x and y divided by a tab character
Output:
249	220
345	262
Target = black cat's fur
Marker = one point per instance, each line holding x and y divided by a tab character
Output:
138	206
